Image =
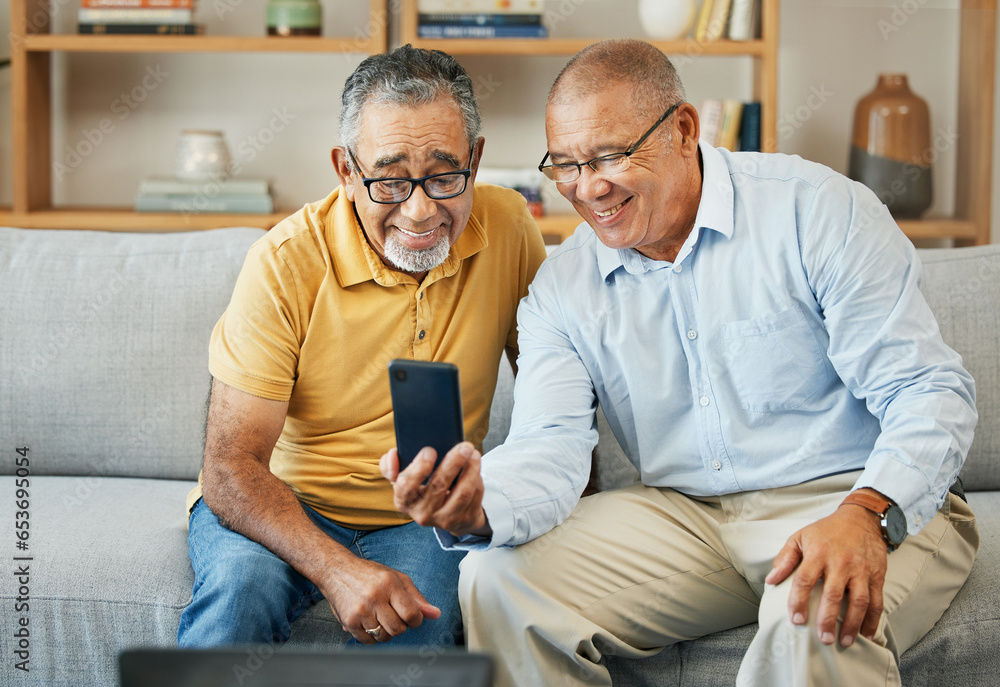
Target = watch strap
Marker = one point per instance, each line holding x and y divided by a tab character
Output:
876	504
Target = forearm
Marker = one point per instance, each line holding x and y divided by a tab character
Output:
252	501
239	487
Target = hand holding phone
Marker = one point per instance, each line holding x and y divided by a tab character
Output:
426	407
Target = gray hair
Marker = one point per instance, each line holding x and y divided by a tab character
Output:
655	83
410	76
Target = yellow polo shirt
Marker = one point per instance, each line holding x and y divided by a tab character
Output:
316	317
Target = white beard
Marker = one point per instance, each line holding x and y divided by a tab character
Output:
415	261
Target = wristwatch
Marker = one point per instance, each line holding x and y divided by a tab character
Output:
893	520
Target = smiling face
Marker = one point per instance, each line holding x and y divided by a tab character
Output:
651	206
410	141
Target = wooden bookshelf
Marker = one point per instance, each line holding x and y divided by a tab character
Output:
970	224
763	51
122	219
32	46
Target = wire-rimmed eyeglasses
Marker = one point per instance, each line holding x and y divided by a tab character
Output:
613	163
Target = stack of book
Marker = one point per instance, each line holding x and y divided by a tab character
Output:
156	17
165	194
481	19
736	20
730	124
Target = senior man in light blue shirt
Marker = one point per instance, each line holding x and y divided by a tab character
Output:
752	327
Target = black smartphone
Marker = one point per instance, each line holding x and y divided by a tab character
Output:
426	408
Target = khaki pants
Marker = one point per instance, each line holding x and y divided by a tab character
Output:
636	569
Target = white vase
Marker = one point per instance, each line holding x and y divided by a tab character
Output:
666	19
202	156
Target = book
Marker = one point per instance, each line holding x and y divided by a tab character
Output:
710	118
716	26
200	202
146	15
750	127
470	31
151	29
173	185
137	4
480	19
480	6
743	20
729	131
704	14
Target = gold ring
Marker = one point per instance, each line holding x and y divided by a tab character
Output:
375	632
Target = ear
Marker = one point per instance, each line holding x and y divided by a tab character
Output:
342	166
689	127
477	157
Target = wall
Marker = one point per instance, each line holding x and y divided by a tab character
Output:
279	112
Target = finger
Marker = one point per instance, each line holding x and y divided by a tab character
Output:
857	608
420	468
874	614
410	606
389	465
391	624
462	512
454	463
408	490
803	582
830	606
361	634
784	563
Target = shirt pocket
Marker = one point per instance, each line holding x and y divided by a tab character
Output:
774	361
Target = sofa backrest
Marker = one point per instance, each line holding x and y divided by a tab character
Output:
104	346
962	286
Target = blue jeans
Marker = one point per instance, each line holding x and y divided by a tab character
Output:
244	594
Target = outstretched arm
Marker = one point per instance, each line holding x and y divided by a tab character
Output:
248	498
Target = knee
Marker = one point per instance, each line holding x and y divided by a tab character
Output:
483	576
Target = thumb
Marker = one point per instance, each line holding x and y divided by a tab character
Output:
785	562
430	610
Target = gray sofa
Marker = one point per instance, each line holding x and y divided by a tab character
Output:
103	379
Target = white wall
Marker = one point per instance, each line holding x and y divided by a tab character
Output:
831	53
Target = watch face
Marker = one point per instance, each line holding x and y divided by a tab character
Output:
895	525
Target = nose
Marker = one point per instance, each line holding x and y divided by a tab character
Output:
419	206
591	185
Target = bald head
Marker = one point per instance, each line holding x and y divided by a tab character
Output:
653	79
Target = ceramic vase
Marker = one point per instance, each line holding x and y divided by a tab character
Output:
891	146
202	156
666	19
294	18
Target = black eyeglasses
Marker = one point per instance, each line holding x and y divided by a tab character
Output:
389	190
604	164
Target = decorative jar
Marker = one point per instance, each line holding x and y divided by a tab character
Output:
294	18
666	19
891	146
202	156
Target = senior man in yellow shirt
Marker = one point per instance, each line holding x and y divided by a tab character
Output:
406	259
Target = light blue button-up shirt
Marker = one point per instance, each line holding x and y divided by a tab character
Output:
788	341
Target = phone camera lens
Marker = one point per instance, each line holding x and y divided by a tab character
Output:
401	375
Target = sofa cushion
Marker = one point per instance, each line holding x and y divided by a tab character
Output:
962	286
107	376
109	570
